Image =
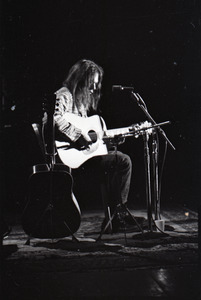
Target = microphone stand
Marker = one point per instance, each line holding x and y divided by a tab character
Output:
148	179
143	107
155	153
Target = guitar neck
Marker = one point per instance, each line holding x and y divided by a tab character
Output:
110	133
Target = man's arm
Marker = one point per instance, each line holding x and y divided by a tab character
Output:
65	130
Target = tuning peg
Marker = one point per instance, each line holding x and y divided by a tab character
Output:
136	129
146	127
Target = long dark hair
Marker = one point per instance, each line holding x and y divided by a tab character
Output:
79	81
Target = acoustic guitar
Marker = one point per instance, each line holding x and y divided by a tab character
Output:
95	127
52	210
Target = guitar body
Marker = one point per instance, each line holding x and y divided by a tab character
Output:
52	210
73	157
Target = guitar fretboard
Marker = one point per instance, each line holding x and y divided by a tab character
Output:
112	132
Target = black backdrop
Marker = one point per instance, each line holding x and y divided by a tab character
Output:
152	45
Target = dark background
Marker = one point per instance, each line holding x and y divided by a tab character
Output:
152	45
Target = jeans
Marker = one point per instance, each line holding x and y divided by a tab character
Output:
115	170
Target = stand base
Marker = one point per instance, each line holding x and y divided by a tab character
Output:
119	213
150	235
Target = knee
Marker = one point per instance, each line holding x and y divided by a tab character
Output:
126	161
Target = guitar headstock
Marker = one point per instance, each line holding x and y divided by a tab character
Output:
142	128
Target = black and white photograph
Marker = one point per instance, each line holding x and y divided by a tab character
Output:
100	110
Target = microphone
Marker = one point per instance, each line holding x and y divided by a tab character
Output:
122	88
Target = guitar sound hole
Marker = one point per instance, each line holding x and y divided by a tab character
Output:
93	135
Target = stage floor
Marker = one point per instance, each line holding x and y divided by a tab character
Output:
123	265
